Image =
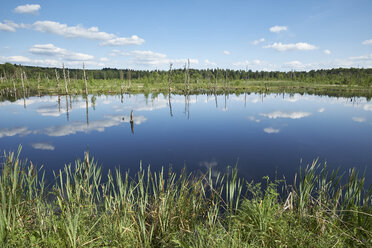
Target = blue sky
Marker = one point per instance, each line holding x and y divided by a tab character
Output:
259	35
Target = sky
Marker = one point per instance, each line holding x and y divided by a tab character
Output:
257	34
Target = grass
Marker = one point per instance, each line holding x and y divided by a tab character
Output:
112	86
81	208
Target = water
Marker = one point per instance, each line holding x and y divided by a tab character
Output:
262	134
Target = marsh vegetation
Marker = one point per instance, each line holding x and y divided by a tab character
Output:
84	208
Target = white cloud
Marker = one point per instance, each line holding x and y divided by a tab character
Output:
326	51
27	9
210	165
8	132
277	29
181	62
51	50
8	26
134	40
364	61
15	59
99	125
363	57
50	111
294	98
367	42
116	52
43	146
79	31
271	130
257	62
294	65
292	46
256	42
241	63
71	31
30	101
358	119
209	63
321	110
104	59
150	58
289	115
226	52
50	62
252	118
367	107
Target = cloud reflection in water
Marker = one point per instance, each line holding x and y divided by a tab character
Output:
288	115
43	146
100	125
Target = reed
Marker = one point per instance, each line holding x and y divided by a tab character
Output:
83	208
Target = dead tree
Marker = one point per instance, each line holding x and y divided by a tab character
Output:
57	78
64	77
85	81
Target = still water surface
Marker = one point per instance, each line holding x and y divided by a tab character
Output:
263	134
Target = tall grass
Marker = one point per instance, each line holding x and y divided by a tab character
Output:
81	208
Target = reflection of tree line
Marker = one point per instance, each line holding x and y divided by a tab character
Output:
68	101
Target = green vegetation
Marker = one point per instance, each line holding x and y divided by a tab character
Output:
20	80
82	209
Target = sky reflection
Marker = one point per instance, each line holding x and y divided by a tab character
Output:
264	133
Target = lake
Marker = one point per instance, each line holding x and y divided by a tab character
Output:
263	134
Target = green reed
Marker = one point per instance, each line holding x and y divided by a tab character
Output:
83	208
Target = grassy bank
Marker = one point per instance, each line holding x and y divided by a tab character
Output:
15	90
83	208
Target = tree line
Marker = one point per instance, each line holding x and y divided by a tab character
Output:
344	76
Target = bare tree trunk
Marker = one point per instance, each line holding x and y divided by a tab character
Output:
215	83
169	87
85	81
64	77
185	75
129	77
131	122
23	84
59	103
67	113
57	78
14	88
245	99
215	98
25	77
170	105
188	74
38	82
87	110
225	79
68	77
170	77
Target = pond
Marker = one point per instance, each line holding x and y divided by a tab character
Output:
262	134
